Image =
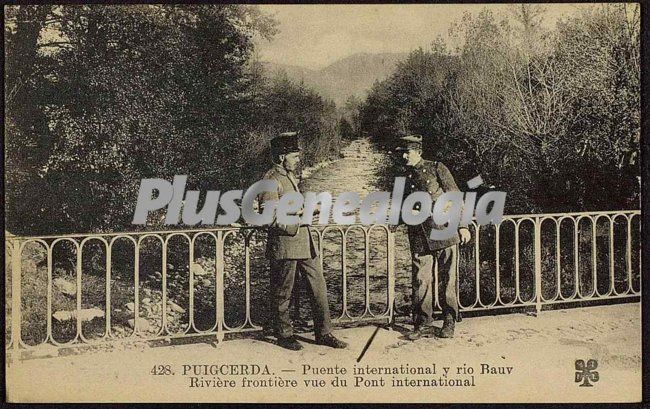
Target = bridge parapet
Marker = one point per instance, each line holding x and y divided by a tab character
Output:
211	282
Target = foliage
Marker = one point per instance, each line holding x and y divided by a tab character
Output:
350	118
99	97
549	116
287	105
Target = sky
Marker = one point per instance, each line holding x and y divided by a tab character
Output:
314	36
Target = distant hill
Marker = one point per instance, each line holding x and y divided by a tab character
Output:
353	75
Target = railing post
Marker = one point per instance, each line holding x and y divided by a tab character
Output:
391	276
107	321
247	252
16	316
459	318
344	279
538	265
628	256
220	268
78	294
191	283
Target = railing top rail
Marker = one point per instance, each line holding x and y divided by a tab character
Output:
10	237
206	229
571	214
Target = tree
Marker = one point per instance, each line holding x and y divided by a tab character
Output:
27	92
531	110
114	102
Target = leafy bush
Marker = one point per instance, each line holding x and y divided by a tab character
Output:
552	117
100	97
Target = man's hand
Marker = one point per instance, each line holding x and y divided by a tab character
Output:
465	235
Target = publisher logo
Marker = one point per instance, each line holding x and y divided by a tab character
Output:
586	373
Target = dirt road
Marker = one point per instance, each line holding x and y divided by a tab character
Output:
541	352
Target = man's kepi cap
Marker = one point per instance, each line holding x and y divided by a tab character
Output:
284	143
410	142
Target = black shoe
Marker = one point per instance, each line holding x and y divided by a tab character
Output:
424	325
414	335
330	340
427	331
447	330
290	343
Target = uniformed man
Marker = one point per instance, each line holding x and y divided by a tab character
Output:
291	248
432	177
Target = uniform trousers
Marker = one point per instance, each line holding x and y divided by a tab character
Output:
423	283
283	277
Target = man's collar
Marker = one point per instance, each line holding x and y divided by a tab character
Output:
419	165
280	169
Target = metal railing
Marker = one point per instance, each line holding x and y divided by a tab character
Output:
220	237
552	258
560	266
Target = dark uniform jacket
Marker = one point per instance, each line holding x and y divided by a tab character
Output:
432	177
291	242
